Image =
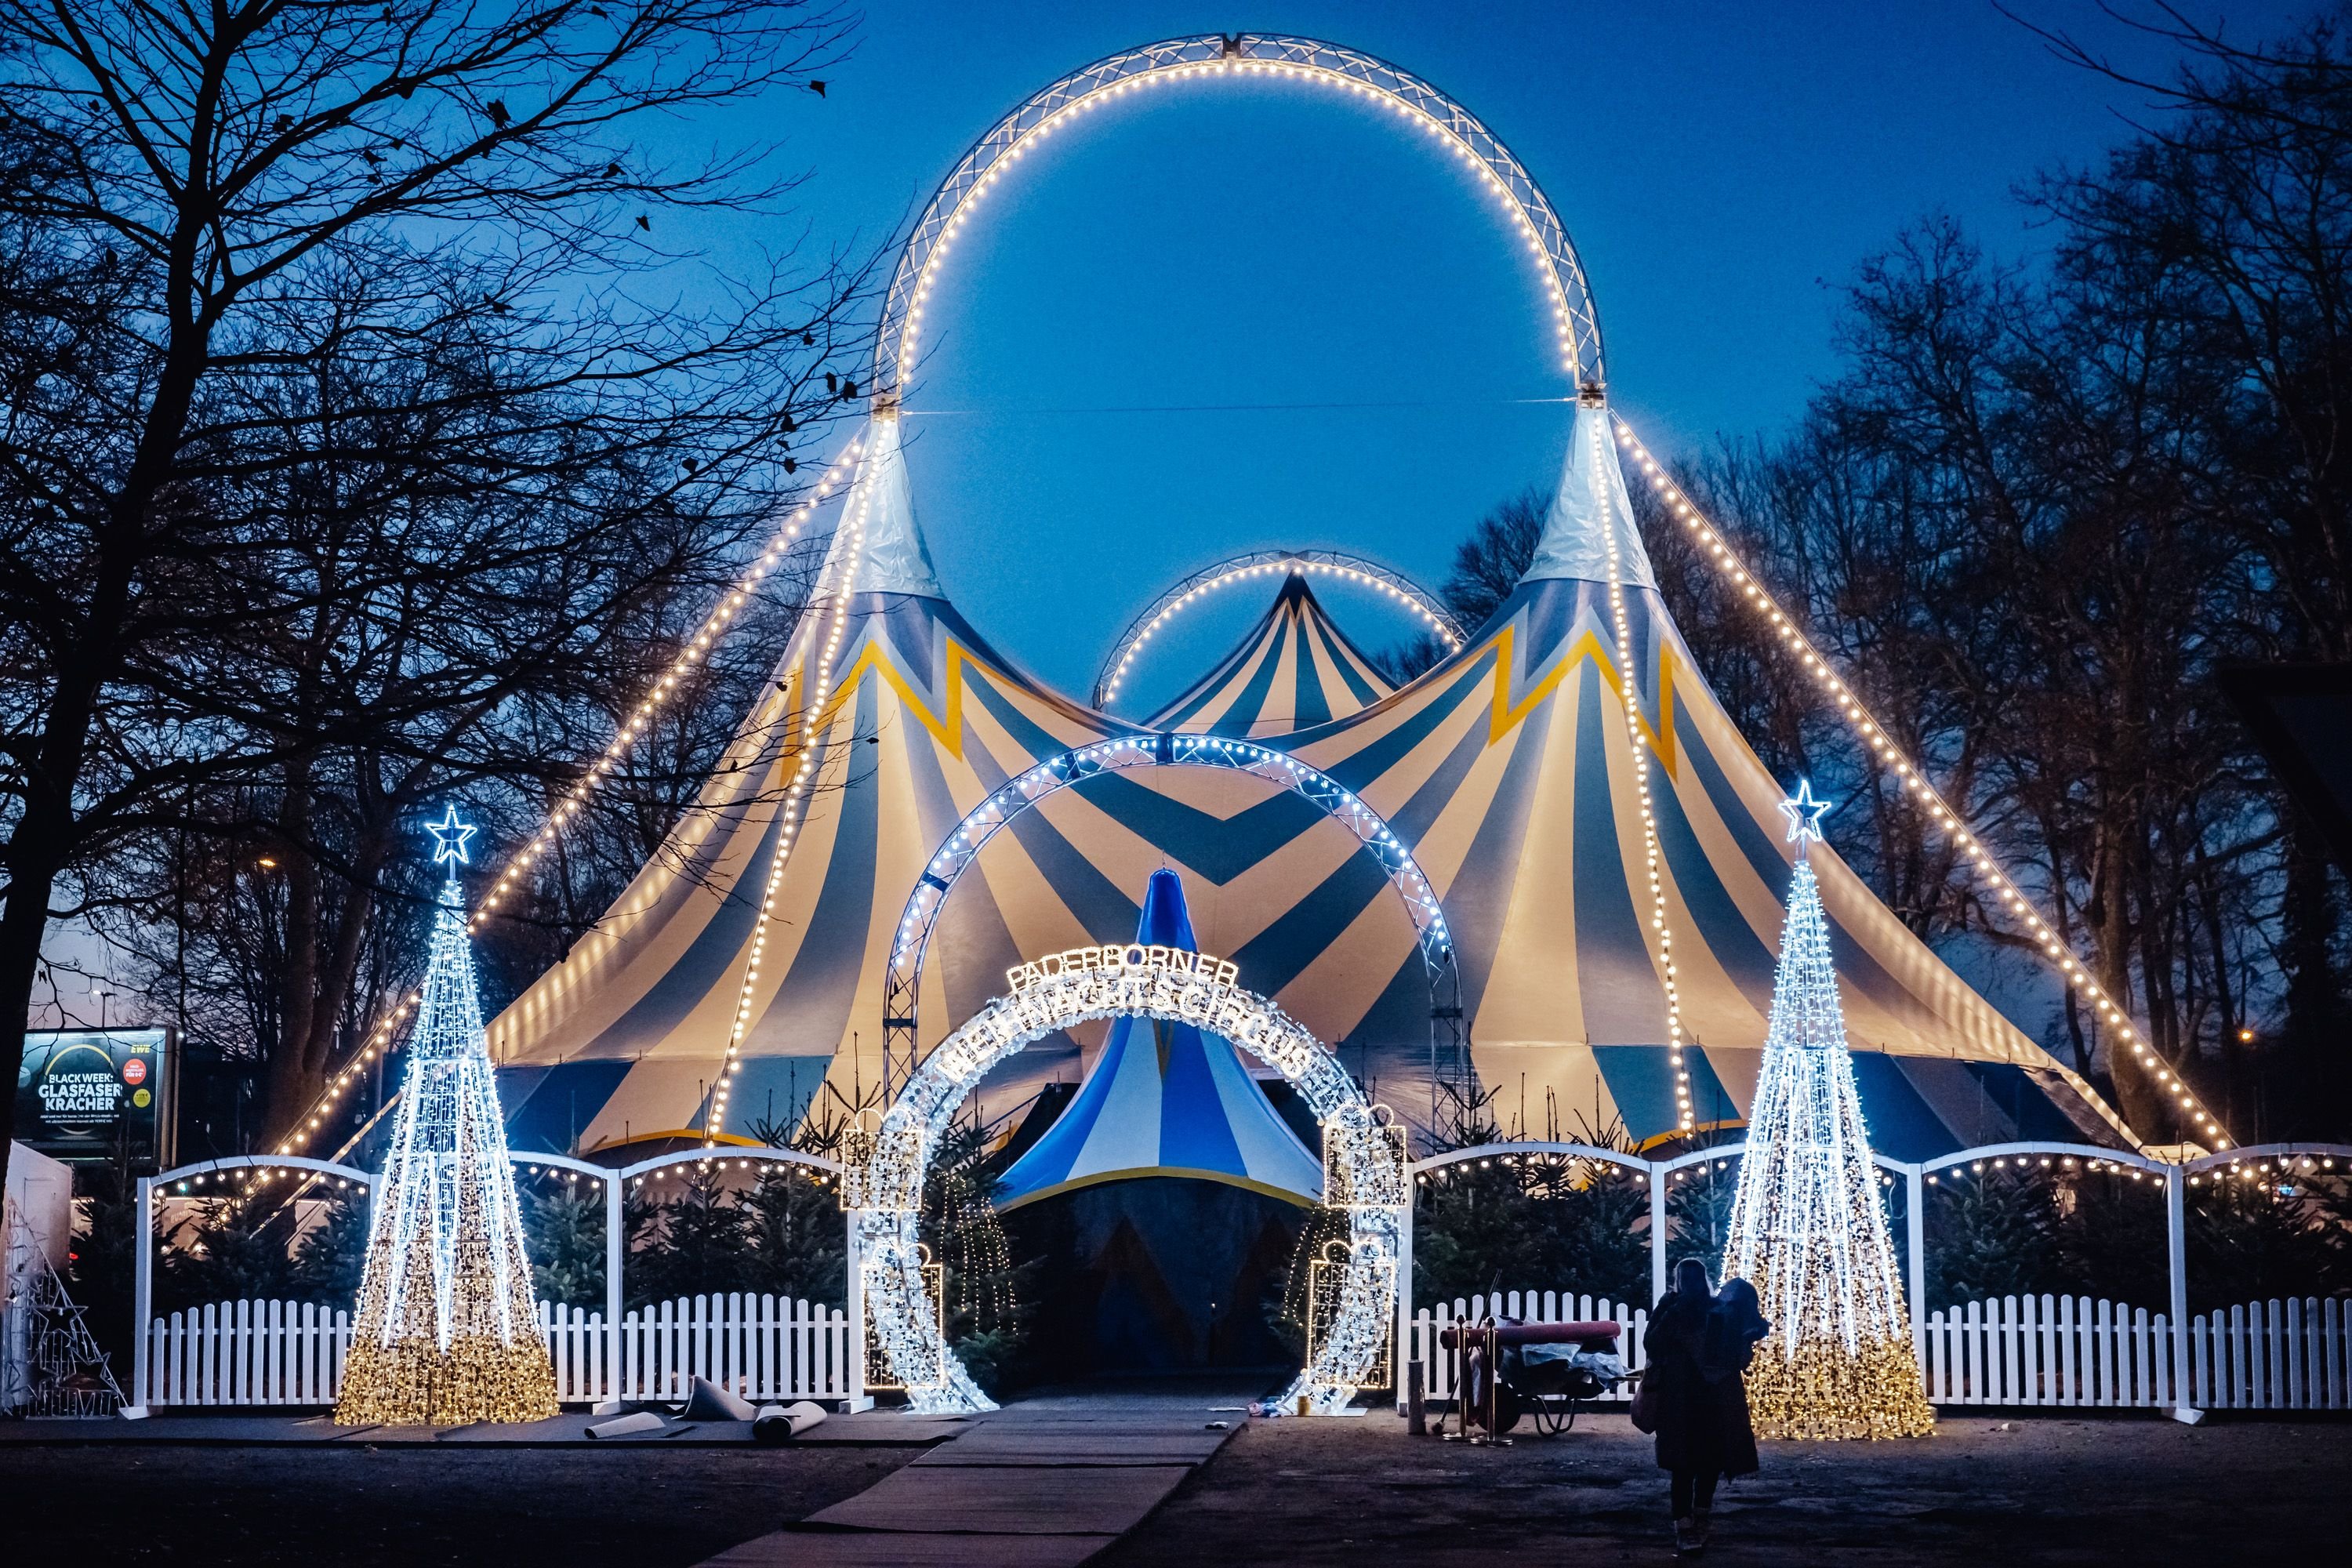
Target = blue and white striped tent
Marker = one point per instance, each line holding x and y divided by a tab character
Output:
1165	1100
1508	768
1294	669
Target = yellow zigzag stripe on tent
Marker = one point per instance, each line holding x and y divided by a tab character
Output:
1506	713
947	727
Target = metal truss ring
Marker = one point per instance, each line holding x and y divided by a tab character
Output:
1059	107
901	993
1333	562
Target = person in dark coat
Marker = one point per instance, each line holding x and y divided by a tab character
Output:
1698	1344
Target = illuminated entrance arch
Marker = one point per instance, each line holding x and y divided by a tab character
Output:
1237	57
1364	1157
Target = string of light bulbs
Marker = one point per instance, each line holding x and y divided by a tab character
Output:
848	550
895	359
1914	780
1628	676
664	687
1130	646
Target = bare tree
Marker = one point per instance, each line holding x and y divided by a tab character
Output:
315	229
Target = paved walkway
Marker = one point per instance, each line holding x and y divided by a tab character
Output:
1045	1483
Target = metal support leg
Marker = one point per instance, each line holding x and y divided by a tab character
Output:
142	1297
616	1254
1657	1232
1915	1223
2176	1242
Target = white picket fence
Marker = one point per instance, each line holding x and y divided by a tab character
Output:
291	1353
2033	1350
2040	1350
2274	1355
1528	1306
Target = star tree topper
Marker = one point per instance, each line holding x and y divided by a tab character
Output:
450	836
1804	813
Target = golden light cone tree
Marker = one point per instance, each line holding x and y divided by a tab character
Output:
447	1333
1807	1228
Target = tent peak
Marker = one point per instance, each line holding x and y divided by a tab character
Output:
891	557
1589	508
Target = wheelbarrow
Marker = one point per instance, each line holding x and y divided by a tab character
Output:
1505	1369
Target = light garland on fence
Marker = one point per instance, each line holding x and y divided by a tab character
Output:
447	1332
1441	626
1629	675
1806	1226
883	1185
1409	113
1914	780
848	550
664	688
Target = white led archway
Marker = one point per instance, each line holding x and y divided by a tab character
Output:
1363	1165
1422	605
1270	55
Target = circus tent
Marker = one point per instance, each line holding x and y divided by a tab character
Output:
1508	769
1165	1100
904	718
1294	669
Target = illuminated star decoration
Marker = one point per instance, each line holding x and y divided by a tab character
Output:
450	836
1804	813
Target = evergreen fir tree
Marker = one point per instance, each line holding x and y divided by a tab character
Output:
702	1247
797	1237
446	1330
565	1228
330	1259
1807	1226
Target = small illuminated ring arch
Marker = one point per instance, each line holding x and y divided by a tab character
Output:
1363	1159
902	982
1424	606
1576	323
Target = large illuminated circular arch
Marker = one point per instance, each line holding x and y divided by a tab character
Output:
1424	605
902	981
1243	56
1363	1164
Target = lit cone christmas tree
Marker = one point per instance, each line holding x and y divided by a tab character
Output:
446	1332
1806	1226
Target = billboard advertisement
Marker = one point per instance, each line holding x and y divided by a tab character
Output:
92	1094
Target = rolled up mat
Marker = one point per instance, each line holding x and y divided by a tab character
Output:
706	1401
782	1422
628	1426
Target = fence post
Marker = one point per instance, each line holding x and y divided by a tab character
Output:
852	1293
1914	1225
143	1294
617	1249
1657	1232
2176	1242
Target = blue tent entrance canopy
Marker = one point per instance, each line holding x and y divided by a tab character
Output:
1165	1100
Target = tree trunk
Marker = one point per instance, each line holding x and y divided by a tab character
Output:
2315	1101
295	1076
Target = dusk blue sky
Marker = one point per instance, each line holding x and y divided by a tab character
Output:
1722	168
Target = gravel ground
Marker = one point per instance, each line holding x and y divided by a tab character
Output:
410	1506
2146	1493
1985	1493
